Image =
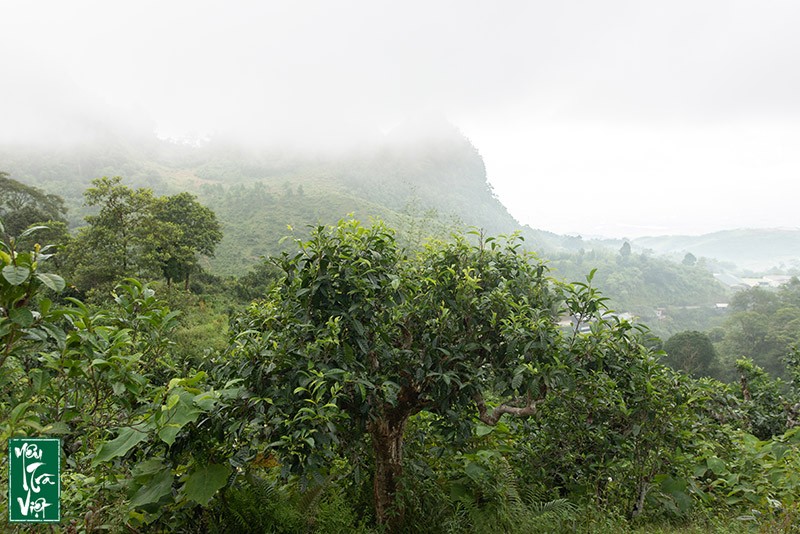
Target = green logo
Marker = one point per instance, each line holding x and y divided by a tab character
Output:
34	485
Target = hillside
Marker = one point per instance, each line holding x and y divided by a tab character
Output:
753	249
424	174
424	178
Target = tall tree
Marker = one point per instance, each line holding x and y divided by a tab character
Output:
22	206
359	337
138	234
199	233
124	237
625	250
763	325
691	352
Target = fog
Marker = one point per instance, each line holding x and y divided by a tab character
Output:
613	118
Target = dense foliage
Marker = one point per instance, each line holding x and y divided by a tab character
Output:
359	337
135	233
22	206
670	297
376	382
693	353
374	387
764	326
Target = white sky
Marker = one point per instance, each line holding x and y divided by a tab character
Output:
600	118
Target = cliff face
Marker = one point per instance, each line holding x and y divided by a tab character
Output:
424	168
430	170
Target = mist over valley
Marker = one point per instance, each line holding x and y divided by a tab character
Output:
386	267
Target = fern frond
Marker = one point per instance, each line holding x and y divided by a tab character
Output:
560	508
310	498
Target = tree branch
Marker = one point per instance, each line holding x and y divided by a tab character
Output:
491	418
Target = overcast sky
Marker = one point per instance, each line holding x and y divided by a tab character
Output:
595	118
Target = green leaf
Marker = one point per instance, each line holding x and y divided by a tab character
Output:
31	230
516	382
683	501
474	471
59	427
700	470
21	316
39	378
179	414
15	275
17	412
205	401
204	482
459	491
779	449
184	413
672	485
148	469
168	433
118	388
716	465
482	429
127	439
153	490
172	401
53	281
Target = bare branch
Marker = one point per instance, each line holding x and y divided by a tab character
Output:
492	418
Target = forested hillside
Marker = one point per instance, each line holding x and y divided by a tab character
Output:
757	250
370	387
414	370
422	170
377	380
424	178
667	296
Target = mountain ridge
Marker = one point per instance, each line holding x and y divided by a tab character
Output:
425	167
426	170
756	249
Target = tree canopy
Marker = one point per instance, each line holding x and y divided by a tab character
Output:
764	326
135	233
198	233
692	352
22	206
450	377
360	336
